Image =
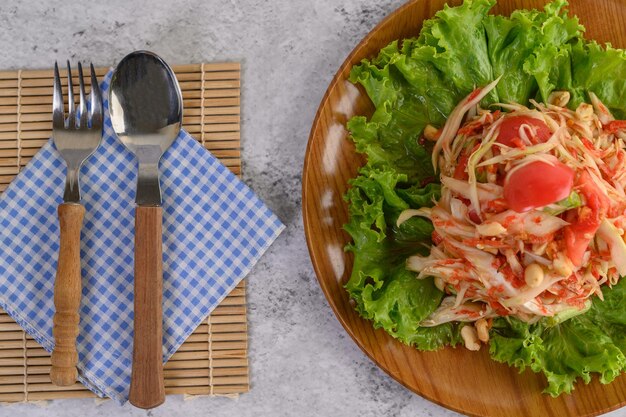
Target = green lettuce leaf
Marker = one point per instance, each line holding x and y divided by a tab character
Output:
390	137
514	41
590	342
456	44
401	304
552	69
417	197
582	67
591	64
383	289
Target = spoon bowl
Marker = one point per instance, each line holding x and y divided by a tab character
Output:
146	112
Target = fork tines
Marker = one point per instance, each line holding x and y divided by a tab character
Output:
88	118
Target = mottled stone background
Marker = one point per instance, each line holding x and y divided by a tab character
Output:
302	362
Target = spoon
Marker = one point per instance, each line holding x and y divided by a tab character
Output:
146	113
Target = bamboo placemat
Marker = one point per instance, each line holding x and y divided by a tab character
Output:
214	360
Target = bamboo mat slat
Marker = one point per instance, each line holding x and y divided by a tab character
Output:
214	359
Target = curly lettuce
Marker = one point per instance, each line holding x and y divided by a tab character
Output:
587	343
419	81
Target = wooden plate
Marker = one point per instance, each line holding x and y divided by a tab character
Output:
464	381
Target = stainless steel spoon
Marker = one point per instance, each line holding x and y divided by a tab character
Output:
146	111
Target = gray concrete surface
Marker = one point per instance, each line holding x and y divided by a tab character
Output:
302	362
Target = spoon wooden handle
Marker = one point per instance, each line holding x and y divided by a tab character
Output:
67	291
146	386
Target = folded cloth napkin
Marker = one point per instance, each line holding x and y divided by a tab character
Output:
214	231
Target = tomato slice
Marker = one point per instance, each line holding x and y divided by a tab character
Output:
538	184
509	130
584	221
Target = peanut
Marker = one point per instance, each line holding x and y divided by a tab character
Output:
482	330
562	266
533	275
584	111
431	133
470	338
490	229
559	98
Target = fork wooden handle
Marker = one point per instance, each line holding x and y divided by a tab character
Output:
147	388
67	292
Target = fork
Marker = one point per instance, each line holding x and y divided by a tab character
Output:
76	137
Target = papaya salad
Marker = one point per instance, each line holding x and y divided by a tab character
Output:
532	212
489	212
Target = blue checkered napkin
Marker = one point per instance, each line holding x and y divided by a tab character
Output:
214	231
